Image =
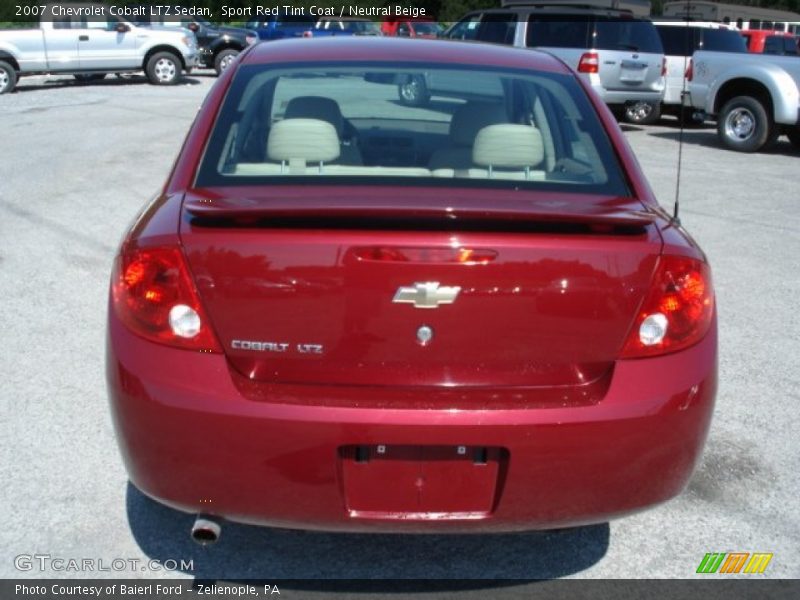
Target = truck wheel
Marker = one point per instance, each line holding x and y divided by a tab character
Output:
744	125
163	68
643	113
413	91
794	136
223	59
8	77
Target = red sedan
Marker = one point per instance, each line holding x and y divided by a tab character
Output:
345	313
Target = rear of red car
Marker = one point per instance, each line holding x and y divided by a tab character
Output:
350	319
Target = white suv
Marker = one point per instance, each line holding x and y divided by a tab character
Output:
680	39
619	55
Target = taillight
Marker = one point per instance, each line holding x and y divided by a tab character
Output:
589	63
664	67
689	71
153	294
677	311
308	34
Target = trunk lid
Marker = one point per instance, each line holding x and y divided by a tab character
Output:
339	290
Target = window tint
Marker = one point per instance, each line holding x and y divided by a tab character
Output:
558	31
281	124
677	40
773	45
623	34
466	29
722	40
497	28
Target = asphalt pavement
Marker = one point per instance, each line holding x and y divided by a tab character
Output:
77	163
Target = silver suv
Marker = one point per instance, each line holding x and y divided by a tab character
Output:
619	55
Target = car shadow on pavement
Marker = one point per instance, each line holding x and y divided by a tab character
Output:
246	552
112	81
707	138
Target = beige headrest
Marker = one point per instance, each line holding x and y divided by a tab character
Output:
316	107
508	146
310	140
471	117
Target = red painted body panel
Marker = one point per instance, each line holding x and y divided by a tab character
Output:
192	440
521	320
522	418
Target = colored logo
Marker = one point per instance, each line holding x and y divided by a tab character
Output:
734	562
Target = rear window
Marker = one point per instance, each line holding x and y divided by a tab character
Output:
780	45
679	40
561	31
624	34
558	31
479	127
722	40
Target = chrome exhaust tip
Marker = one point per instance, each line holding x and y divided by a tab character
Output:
206	530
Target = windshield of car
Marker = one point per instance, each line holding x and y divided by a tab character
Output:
421	125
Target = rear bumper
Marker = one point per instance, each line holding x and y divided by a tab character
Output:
189	439
626	97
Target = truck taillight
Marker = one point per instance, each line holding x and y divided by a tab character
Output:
676	313
664	67
689	71
589	63
154	296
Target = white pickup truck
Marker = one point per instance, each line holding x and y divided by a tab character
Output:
754	97
89	42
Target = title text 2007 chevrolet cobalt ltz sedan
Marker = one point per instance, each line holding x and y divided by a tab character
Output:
345	313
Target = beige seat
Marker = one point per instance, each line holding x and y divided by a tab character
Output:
297	142
307	147
503	151
467	121
326	109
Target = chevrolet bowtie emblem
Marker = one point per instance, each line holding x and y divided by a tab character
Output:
426	294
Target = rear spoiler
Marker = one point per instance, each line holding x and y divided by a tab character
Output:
539	211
